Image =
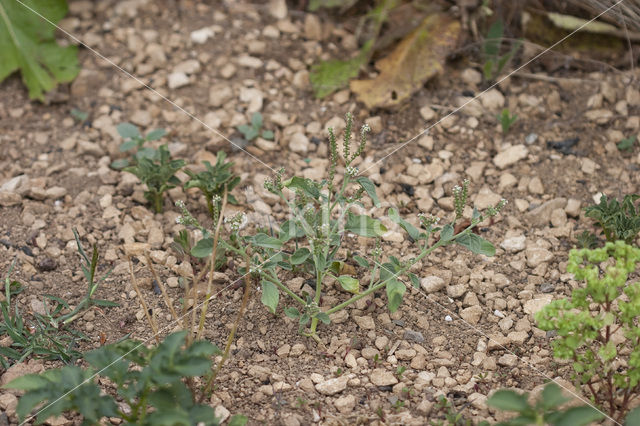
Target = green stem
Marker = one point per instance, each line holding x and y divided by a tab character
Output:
157	202
276	281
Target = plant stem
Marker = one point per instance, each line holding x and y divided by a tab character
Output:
214	251
157	202
232	333
143	303
276	281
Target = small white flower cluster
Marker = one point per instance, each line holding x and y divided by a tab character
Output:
351	171
365	128
324	229
216	199
237	222
428	220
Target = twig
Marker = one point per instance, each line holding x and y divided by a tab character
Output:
164	291
142	302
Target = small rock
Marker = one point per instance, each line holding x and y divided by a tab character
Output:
365	322
202	35
177	80
540	216
18	184
486	198
278	9
492	100
91	148
250	61
221	413
20	369
382	377
188	67
558	218
312	27
510	156
471	314
299	143
56	192
599	116
534	305
253	97
471	76
345	404
535	186
47	264
413	336
514	244
478	400
219	95
8	199
456	291
508	360
537	255
573	207
283	350
427	113
432	284
332	386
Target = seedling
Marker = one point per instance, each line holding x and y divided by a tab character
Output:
626	144
148	381
598	329
158	174
134	140
587	240
79	115
400	371
506	120
451	415
89	268
546	409
321	214
618	220
494	62
254	129
43	337
214	180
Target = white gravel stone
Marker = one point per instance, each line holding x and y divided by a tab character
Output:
537	255
382	377
432	284
177	80
299	143
345	404
332	386
510	156
514	244
532	306
202	35
492	100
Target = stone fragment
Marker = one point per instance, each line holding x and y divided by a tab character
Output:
534	305
514	244
365	322
537	255
177	80
202	35
345	404
432	284
332	386
510	156
471	314
492	100
541	215
298	142
382	377
8	199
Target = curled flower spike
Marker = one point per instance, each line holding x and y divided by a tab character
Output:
351	171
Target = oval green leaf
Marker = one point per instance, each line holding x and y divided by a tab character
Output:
270	296
349	284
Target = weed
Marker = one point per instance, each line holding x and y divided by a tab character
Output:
451	415
400	371
494	62
158	174
626	144
618	220
587	240
134	140
43	337
79	115
546	409
321	213
597	328
213	181
144	378
254	129
506	120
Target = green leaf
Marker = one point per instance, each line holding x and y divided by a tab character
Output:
79	115
446	234
270	296
300	256
292	312
155	134
349	284
508	400
552	396
633	418
238	420
626	144
476	244
361	261
264	240
330	76
203	248
128	145
120	164
494	39
414	280
413	232
256	120
369	188
267	134
395	291
127	131
306	185
579	416
29	45
364	225
323	317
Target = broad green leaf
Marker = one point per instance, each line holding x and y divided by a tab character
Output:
476	244
305	185
270	296
28	44
364	226
626	144
127	131
413	232
292	312
349	284
238	420
395	291
128	145
323	317
369	188
580	416
27	382
264	240
446	234
155	134
361	261
633	418
300	256
120	164
256	120
267	134
494	38
414	280
552	396
508	400
203	248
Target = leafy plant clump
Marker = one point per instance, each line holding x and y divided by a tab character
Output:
321	213
618	220
506	120
254	129
598	327
148	381
29	45
133	139
494	61
158	174
213	181
546	410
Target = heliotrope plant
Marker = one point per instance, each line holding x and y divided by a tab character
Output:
321	213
